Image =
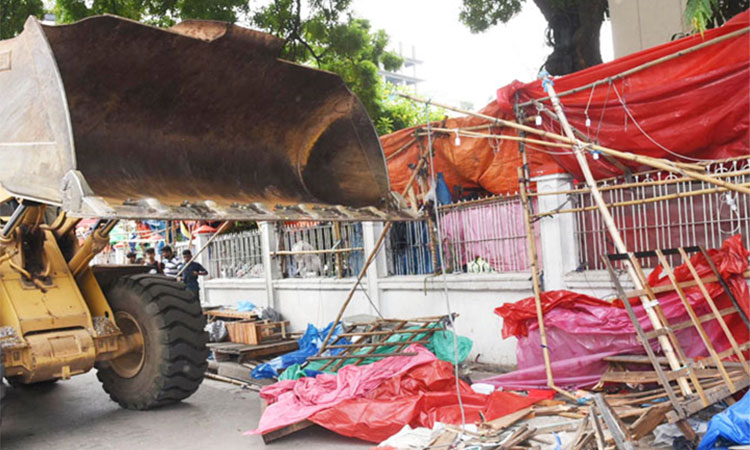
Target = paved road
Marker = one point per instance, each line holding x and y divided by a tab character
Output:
77	414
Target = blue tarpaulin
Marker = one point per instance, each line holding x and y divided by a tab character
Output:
731	425
309	344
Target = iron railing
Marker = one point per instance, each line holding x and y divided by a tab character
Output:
236	255
325	249
656	210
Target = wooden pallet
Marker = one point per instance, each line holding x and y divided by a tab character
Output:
230	351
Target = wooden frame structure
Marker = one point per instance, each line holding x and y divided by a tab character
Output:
366	338
732	376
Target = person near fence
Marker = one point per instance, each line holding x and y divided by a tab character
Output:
191	273
170	264
151	261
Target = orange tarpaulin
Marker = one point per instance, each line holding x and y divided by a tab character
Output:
476	163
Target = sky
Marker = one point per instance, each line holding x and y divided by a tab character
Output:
459	66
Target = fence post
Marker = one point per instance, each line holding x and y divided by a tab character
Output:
370	233
270	268
559	246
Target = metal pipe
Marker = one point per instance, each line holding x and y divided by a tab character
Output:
15	218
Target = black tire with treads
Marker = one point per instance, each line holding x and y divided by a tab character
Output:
173	324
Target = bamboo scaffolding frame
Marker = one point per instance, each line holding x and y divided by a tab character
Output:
371	256
363	356
615	234
684	169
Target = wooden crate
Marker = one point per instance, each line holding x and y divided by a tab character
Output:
254	333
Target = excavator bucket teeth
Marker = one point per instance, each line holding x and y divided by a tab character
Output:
115	119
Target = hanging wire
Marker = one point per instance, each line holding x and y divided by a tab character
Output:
648	136
433	185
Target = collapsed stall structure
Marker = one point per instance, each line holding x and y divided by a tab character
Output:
658	148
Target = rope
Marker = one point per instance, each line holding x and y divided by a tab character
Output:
648	136
433	183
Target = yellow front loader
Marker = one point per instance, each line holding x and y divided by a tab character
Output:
111	119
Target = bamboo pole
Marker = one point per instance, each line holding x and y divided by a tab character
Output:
643	66
371	257
411	142
686	170
220	230
546	134
615	235
537	284
335	251
643	201
639	184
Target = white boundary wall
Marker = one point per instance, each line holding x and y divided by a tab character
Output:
472	296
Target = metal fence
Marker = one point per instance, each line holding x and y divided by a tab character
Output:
324	249
487	235
655	210
408	248
479	236
236	255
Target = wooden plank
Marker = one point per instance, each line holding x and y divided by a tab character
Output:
647	376
285	431
507	420
231	314
616	427
646	423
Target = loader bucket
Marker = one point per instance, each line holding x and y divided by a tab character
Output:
115	119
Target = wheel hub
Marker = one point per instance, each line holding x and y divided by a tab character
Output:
129	364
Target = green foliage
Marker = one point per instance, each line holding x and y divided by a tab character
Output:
156	12
479	15
704	14
13	14
399	113
332	39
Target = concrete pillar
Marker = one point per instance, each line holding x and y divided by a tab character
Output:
559	246
371	232
268	242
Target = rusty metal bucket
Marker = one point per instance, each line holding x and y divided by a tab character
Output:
115	119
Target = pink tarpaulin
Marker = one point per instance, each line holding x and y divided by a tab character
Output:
580	334
292	401
500	241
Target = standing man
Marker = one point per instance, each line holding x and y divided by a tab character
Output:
151	261
191	273
170	264
131	258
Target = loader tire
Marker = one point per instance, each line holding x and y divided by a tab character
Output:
173	361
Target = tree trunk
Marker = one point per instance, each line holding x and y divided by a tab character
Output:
573	33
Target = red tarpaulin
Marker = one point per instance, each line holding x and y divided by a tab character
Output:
696	106
420	397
